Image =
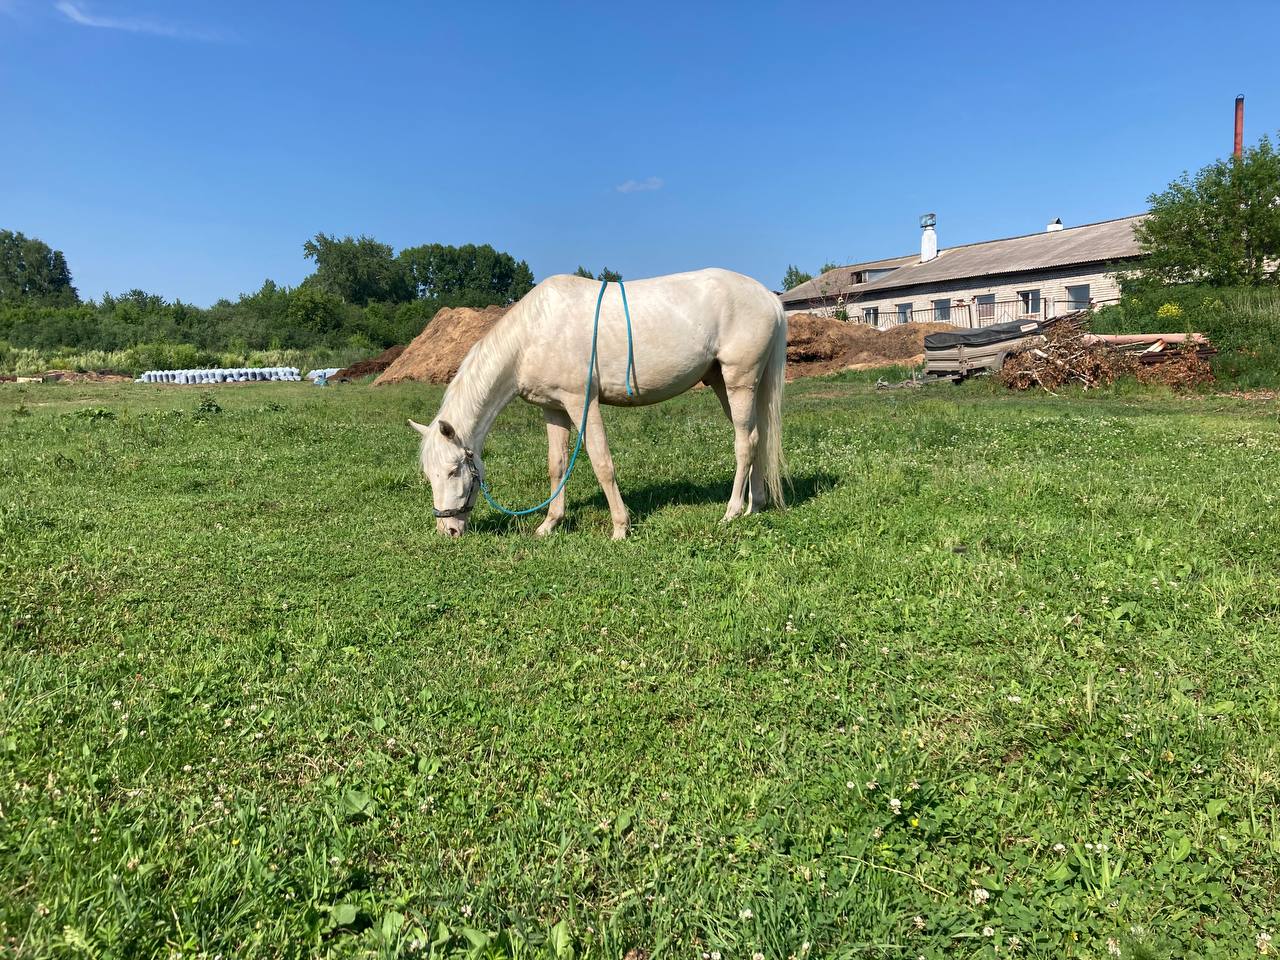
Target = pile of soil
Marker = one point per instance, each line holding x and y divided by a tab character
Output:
437	352
821	345
365	368
86	376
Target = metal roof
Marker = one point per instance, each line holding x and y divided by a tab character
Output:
1089	243
839	280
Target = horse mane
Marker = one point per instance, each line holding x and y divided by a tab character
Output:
473	385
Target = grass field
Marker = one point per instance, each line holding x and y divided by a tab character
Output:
1005	680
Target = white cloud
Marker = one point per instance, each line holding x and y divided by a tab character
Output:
636	186
78	13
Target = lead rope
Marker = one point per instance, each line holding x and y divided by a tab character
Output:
586	405
631	363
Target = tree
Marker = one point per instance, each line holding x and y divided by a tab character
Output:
1220	227
828	266
794	277
357	270
613	276
31	272
469	272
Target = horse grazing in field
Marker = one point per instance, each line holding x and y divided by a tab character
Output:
710	326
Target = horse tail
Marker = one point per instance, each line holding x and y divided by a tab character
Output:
769	458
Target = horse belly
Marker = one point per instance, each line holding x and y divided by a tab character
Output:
657	377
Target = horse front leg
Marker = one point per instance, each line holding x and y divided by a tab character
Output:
558	427
597	445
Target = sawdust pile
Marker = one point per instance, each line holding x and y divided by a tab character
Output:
821	345
437	352
364	368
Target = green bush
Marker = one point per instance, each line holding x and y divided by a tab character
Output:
1242	322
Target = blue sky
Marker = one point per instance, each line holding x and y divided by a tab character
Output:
190	148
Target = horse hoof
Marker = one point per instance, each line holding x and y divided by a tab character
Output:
545	530
620	533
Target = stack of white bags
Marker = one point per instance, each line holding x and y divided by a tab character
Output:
220	375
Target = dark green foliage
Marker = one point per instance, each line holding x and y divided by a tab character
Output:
33	273
794	277
361	297
454	274
357	270
613	276
1243	323
1220	227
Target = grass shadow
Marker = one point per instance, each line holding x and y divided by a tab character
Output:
649	499
646	500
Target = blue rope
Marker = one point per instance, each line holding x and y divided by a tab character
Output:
586	405
631	363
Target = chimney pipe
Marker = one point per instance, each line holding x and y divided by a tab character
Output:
928	238
1055	226
1239	126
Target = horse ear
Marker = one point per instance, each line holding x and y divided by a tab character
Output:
446	429
419	427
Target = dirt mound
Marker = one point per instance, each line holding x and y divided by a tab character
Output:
436	353
364	368
86	376
820	345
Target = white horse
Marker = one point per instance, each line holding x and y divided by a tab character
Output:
713	326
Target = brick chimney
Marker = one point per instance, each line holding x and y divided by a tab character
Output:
1239	148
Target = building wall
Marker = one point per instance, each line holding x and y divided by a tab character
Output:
1052	284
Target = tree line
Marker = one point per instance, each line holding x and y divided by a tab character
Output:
361	294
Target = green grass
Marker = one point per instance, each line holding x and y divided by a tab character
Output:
252	706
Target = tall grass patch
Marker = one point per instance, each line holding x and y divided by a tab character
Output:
1242	322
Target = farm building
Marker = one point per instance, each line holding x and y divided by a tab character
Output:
1037	275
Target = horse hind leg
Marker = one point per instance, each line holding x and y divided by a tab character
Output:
741	401
756	493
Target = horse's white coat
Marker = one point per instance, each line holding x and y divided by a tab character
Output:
709	325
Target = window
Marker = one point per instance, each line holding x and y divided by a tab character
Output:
1030	302
942	311
1078	296
986	306
904	313
871	315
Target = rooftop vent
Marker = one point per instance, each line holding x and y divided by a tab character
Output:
1055	226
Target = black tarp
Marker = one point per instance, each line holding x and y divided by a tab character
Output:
983	336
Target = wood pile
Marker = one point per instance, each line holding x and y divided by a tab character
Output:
1069	354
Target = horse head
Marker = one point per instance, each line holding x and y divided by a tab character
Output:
454	472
